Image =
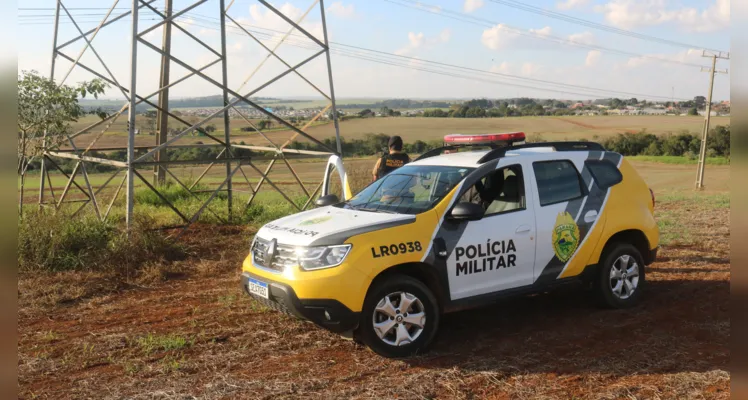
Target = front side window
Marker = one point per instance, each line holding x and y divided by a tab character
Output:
499	191
558	181
411	189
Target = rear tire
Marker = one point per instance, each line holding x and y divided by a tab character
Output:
620	278
400	317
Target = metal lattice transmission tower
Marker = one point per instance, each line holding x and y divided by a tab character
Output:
81	146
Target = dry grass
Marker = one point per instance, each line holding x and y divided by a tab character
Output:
197	335
411	129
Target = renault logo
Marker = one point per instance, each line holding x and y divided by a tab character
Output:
270	251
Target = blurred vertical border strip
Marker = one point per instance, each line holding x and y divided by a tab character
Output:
9	215
739	200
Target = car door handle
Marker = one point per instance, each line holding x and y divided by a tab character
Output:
523	229
590	216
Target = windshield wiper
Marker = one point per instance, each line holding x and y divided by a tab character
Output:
375	210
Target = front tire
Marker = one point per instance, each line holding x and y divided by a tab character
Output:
400	317
620	276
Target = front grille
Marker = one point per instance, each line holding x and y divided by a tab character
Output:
284	255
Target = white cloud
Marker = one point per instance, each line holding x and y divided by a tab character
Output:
582	38
415	39
340	10
503	68
569	4
418	40
502	37
270	20
630	14
690	55
530	69
498	37
593	57
542	32
472	5
445	35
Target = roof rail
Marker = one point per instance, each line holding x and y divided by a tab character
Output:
435	152
558	146
439	150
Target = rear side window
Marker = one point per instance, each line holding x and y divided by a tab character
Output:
605	173
558	181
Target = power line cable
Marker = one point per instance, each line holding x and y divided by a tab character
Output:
398	60
385	57
423	7
594	25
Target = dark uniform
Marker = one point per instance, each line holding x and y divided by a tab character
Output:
391	162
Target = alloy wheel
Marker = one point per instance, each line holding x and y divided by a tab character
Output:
399	318
624	276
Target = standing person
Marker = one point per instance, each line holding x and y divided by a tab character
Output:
392	160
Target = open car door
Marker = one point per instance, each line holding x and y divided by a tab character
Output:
336	163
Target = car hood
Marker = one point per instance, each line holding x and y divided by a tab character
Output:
328	226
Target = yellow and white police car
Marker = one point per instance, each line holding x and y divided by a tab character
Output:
457	228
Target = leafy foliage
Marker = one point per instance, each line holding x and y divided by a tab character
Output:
43	106
682	144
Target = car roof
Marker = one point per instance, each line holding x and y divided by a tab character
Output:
471	158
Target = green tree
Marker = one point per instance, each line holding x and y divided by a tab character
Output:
719	140
45	111
264	124
386	111
150	117
475	112
693	111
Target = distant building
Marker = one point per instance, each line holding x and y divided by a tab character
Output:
653	111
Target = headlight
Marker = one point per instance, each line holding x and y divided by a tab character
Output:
311	258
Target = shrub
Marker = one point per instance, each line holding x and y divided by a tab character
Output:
653	149
678	145
719	140
171	192
58	241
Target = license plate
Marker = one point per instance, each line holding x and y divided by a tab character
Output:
258	287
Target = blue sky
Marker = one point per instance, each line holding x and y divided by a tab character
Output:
522	49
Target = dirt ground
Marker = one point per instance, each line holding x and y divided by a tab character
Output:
194	334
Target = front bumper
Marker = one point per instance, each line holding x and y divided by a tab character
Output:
327	313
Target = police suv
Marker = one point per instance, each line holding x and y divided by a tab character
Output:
459	227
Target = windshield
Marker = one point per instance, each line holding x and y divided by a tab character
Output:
411	189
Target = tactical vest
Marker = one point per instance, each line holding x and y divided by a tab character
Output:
391	162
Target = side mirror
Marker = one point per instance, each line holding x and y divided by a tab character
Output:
327	200
467	212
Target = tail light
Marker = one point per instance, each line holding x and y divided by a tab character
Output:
651	193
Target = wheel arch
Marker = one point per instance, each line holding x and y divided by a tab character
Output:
635	237
421	271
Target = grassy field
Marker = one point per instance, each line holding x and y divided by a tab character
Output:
182	328
411	129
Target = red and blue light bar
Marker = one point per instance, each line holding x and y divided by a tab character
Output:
487	138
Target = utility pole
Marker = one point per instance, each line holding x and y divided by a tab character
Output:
162	118
708	112
131	116
226	115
